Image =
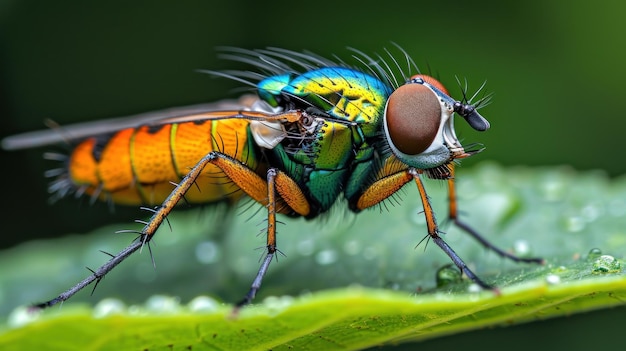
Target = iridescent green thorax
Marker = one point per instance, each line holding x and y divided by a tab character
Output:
343	93
354	103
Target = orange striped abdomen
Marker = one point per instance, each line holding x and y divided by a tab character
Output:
136	165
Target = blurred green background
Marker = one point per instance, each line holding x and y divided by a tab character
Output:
556	69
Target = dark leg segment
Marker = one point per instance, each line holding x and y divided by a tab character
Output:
453	215
145	235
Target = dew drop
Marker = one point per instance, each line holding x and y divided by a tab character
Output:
553	190
107	307
203	304
447	275
521	248
277	303
326	257
553	279
162	304
474	288
22	315
574	224
606	264
594	254
207	252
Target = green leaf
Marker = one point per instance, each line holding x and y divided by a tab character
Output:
356	282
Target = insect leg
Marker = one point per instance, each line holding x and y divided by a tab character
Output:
276	188
386	186
271	239
433	231
278	183
453	216
382	189
145	235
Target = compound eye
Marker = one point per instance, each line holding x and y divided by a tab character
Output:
412	118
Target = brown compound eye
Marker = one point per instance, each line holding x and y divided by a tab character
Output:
412	118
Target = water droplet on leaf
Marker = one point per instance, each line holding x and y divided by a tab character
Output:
163	304
203	304
207	252
474	288
594	253
447	275
553	279
22	315
326	257
606	264
107	307
276	303
521	248
574	224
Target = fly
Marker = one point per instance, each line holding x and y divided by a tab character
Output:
317	132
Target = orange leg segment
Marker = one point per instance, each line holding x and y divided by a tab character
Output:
291	193
452	206
382	189
258	188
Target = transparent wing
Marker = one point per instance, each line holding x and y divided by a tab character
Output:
81	131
